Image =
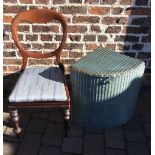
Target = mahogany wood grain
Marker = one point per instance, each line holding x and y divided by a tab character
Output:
41	16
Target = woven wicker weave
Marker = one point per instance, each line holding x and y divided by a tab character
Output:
105	85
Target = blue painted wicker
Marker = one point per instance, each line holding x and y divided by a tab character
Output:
104	86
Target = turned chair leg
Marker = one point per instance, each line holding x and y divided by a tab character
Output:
67	121
15	118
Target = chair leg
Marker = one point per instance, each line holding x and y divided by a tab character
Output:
67	121
15	118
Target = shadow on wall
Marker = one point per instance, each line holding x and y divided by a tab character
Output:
139	24
138	32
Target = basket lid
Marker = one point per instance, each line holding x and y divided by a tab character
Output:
104	62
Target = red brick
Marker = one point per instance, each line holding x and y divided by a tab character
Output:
46	37
70	46
75	9
102	38
95	29
109	1
86	19
138	11
64	54
129	38
89	37
6	37
42	1
9	54
10	1
26	1
123	47
114	20
113	29
146	38
4	69
141	2
75	1
59	1
26	45
32	37
24	28
117	11
74	54
13	9
75	37
39	28
99	10
58	37
143	55
111	46
138	21
68	61
76	29
13	68
137	46
135	30
7	19
12	61
126	2
92	1
7	27
9	45
91	46
50	46
131	54
40	61
36	46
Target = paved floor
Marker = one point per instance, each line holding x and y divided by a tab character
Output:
43	133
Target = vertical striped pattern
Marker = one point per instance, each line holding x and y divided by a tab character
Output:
104	62
39	84
104	102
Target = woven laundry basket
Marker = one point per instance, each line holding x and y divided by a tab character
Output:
104	88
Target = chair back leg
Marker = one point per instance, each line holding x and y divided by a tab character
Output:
67	120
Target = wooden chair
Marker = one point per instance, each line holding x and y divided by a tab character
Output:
39	87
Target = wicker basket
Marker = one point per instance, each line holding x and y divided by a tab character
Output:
104	86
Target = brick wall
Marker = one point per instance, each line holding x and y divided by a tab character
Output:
122	25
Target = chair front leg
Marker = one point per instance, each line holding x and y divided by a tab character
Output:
15	118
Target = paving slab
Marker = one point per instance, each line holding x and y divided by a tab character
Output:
37	125
114	138
53	135
135	136
147	130
30	144
115	152
93	130
137	149
93	144
72	145
42	115
75	130
56	117
44	150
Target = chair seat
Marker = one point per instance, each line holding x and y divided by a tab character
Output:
39	84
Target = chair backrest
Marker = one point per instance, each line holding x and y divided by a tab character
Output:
38	16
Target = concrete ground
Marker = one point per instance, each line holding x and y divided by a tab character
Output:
43	133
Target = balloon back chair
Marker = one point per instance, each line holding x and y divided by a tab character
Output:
39	87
